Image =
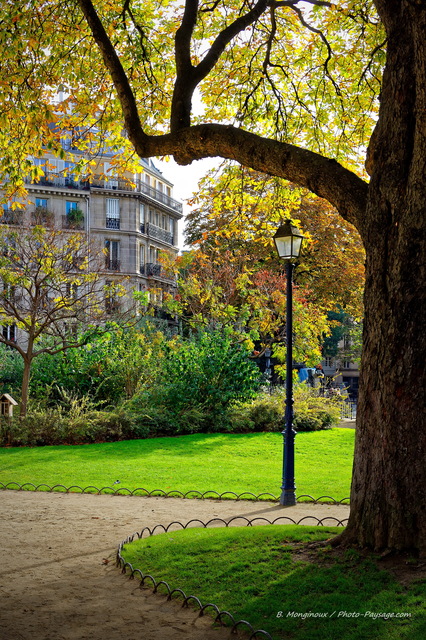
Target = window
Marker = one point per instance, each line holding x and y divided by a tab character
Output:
8	246
74	218
112	213
346	364
112	261
40	162
141	213
328	362
41	215
9	332
71	290
142	259
66	141
41	203
147	179
56	167
111	181
69	177
111	303
156	296
154	217
70	206
9	292
153	254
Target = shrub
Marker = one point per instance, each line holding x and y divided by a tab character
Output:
199	379
109	368
266	412
74	424
313	412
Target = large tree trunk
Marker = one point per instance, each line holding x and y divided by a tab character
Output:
388	497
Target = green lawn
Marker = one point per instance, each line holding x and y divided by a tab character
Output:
200	462
258	575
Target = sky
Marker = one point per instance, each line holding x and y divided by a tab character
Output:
185	182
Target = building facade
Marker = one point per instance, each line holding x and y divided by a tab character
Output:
341	373
132	218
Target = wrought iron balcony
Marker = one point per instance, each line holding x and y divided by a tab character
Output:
157	232
51	179
7	216
155	194
69	222
152	269
113	223
42	217
112	265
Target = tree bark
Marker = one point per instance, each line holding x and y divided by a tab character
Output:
25	387
388	498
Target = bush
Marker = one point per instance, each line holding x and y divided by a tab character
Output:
77	423
313	412
109	368
199	379
266	413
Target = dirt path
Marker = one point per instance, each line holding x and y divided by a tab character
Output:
55	585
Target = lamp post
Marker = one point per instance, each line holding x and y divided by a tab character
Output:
288	241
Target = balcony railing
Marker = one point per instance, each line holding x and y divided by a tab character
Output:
113	223
70	223
112	265
51	179
157	232
7	216
155	194
152	269
42	217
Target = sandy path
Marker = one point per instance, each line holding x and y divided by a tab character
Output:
54	584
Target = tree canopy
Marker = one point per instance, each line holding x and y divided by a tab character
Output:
156	58
233	276
239	209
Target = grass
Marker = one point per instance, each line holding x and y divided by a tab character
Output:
258	575
201	462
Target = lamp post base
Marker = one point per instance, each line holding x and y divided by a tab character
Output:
288	498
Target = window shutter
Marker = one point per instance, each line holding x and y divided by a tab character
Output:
113	208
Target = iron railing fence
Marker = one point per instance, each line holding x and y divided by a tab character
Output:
52	179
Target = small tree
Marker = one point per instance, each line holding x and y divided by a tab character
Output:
51	284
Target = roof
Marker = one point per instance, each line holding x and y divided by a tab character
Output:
6	396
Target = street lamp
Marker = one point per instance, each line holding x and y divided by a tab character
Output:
288	241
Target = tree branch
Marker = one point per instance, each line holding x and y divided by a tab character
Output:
323	176
115	68
225	37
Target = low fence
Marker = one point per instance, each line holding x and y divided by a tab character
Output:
348	410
